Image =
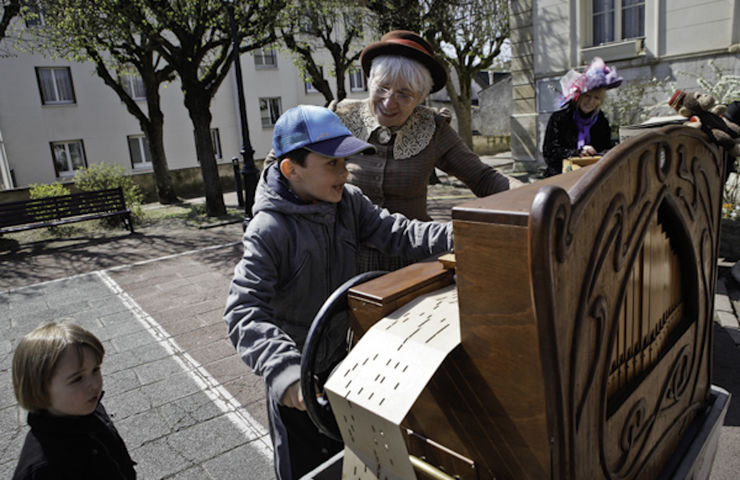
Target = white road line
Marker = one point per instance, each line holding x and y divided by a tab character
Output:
210	386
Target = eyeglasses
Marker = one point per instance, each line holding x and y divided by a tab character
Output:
402	98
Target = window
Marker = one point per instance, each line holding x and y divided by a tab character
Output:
216	143
265	57
55	84
68	157
308	84
33	15
270	110
614	20
138	147
307	23
356	80
133	84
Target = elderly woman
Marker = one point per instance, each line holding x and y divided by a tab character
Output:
410	138
580	128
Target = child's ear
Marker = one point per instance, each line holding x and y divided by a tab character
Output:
287	167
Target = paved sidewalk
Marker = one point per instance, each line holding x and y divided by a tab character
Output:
186	406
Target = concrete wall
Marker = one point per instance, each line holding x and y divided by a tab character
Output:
492	116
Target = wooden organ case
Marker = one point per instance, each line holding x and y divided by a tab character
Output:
586	307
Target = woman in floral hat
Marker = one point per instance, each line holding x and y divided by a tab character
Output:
580	128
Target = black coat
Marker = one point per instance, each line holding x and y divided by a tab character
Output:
561	138
86	447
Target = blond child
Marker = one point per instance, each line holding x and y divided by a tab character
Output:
56	377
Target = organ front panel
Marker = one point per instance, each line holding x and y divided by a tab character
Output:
585	314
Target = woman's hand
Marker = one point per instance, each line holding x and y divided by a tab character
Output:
588	150
293	397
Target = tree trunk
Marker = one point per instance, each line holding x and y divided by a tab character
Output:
166	193
197	103
154	130
461	103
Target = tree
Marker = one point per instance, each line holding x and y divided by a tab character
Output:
10	9
195	40
108	33
397	15
467	36
471	33
308	24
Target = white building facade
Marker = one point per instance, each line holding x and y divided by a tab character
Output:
56	116
674	40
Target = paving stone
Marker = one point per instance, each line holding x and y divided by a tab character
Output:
159	459
126	404
169	389
208	439
7	396
120	381
118	360
187	411
234	465
155	371
142	428
133	341
195	473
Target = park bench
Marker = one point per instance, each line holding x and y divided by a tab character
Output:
53	211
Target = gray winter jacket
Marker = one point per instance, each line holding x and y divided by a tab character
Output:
295	256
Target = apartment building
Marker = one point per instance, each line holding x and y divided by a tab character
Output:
57	116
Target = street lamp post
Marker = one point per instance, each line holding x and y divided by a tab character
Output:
249	171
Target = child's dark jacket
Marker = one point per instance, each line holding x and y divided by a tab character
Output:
295	256
61	448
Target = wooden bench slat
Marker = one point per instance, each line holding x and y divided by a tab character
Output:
51	211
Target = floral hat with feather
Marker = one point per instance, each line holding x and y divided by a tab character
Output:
597	75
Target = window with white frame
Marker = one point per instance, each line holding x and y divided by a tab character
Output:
216	143
265	57
308	84
68	156
138	147
270	110
133	84
34	15
615	20
356	80
55	85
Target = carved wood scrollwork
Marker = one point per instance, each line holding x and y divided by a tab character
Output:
634	253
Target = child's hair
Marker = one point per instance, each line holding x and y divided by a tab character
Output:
36	357
297	156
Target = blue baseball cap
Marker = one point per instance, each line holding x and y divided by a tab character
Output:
316	129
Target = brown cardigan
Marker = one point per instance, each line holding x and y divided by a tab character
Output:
397	175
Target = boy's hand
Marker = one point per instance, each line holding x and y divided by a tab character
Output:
293	397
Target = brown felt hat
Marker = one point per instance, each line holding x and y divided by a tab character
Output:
406	44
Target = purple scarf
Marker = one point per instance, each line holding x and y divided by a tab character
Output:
584	124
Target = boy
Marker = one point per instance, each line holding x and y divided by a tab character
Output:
56	377
298	248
